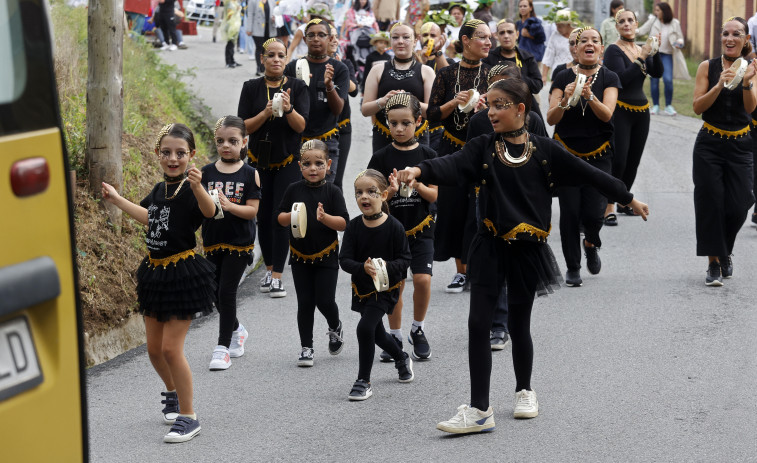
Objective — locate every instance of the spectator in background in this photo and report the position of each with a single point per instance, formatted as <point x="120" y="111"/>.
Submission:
<point x="218" y="16"/>
<point x="607" y="29"/>
<point x="483" y="11"/>
<point x="387" y="12"/>
<point x="358" y="14"/>
<point x="166" y="17"/>
<point x="457" y="11"/>
<point x="530" y="30"/>
<point x="261" y="26"/>
<point x="752" y="24"/>
<point x="232" y="22"/>
<point x="558" y="48"/>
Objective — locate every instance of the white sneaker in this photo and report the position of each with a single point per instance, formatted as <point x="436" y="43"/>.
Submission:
<point x="670" y="110"/>
<point x="306" y="357"/>
<point x="654" y="110"/>
<point x="173" y="47"/>
<point x="468" y="420"/>
<point x="526" y="405"/>
<point x="265" y="282"/>
<point x="220" y="360"/>
<point x="238" y="338"/>
<point x="164" y="47"/>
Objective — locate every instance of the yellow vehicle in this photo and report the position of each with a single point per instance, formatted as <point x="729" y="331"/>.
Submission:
<point x="42" y="401"/>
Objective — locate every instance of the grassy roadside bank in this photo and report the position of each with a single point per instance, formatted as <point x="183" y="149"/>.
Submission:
<point x="153" y="95"/>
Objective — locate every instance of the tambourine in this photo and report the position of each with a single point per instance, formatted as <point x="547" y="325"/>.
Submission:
<point x="655" y="44"/>
<point x="381" y="280"/>
<point x="429" y="47"/>
<point x="580" y="81"/>
<point x="739" y="66"/>
<point x="214" y="196"/>
<point x="299" y="220"/>
<point x="472" y="101"/>
<point x="406" y="191"/>
<point x="303" y="70"/>
<point x="277" y="105"/>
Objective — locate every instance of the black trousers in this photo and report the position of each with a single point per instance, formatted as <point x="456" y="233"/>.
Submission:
<point x="631" y="132"/>
<point x="754" y="163"/>
<point x="316" y="287"/>
<point x="723" y="174"/>
<point x="168" y="26"/>
<point x="345" y="141"/>
<point x="273" y="238"/>
<point x="229" y="52"/>
<point x="582" y="205"/>
<point x="229" y="269"/>
<point x="259" y="41"/>
<point x="371" y="333"/>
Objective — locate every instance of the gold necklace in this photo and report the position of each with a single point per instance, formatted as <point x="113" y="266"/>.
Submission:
<point x="504" y="155"/>
<point x="177" y="189"/>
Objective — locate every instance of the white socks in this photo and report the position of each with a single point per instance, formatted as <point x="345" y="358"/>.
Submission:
<point x="396" y="333"/>
<point x="416" y="325"/>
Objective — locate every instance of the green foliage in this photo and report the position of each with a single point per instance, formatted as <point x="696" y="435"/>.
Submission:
<point x="557" y="6"/>
<point x="649" y="5"/>
<point x="442" y="18"/>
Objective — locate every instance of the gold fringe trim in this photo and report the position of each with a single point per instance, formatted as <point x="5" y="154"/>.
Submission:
<point x="323" y="137"/>
<point x="434" y="129"/>
<point x="754" y="123"/>
<point x="272" y="166"/>
<point x="166" y="261"/>
<point x="385" y="130"/>
<point x="343" y="123"/>
<point x="727" y="133"/>
<point x="421" y="129"/>
<point x="228" y="247"/>
<point x="453" y="138"/>
<point x="363" y="296"/>
<point x="540" y="234"/>
<point x="592" y="154"/>
<point x="630" y="107"/>
<point x="312" y="257"/>
<point x="419" y="228"/>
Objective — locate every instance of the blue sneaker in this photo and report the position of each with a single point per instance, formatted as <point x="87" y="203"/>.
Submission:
<point x="171" y="409"/>
<point x="184" y="429"/>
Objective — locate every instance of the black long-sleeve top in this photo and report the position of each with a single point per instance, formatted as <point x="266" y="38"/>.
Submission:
<point x="444" y="90"/>
<point x="515" y="203"/>
<point x="529" y="70"/>
<point x="630" y="74"/>
<point x="387" y="241"/>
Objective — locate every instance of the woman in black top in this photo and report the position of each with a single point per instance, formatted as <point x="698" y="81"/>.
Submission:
<point x="585" y="130"/>
<point x="723" y="160"/>
<point x="273" y="149"/>
<point x="450" y="90"/>
<point x="403" y="73"/>
<point x="344" y="123"/>
<point x="632" y="64"/>
<point x="508" y="52"/>
<point x="436" y="61"/>
<point x="327" y="91"/>
<point x="516" y="171"/>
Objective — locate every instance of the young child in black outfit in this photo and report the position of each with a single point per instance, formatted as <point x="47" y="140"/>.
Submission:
<point x="375" y="234"/>
<point x="228" y="239"/>
<point x="173" y="283"/>
<point x="403" y="112"/>
<point x="314" y="256"/>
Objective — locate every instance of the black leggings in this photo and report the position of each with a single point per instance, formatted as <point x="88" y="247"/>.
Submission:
<point x="273" y="238"/>
<point x="229" y="52"/>
<point x="316" y="287"/>
<point x="345" y="141"/>
<point x="168" y="26"/>
<point x="371" y="333"/>
<point x="482" y="308"/>
<point x="229" y="269"/>
<point x="631" y="132"/>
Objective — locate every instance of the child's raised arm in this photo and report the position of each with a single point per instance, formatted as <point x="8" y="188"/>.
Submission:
<point x="207" y="206"/>
<point x="138" y="212"/>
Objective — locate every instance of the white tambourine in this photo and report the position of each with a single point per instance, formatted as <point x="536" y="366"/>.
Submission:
<point x="580" y="81"/>
<point x="739" y="66"/>
<point x="472" y="101"/>
<point x="214" y="196"/>
<point x="405" y="190"/>
<point x="299" y="223"/>
<point x="381" y="280"/>
<point x="277" y="105"/>
<point x="654" y="44"/>
<point x="303" y="70"/>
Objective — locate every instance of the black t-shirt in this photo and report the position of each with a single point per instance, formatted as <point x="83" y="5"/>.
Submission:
<point x="171" y="222"/>
<point x="412" y="212"/>
<point x="284" y="140"/>
<point x="320" y="244"/>
<point x="529" y="70"/>
<point x="372" y="58"/>
<point x="323" y="120"/>
<point x="231" y="231"/>
<point x="387" y="241"/>
<point x="480" y="124"/>
<point x="346" y="111"/>
<point x="630" y="74"/>
<point x="582" y="131"/>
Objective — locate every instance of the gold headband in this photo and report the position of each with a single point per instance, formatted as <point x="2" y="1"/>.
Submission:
<point x="732" y="18"/>
<point x="220" y="122"/>
<point x="503" y="21"/>
<point x="308" y="145"/>
<point x="399" y="99"/>
<point x="315" y="21"/>
<point x="495" y="71"/>
<point x="360" y="174"/>
<point x="584" y="29"/>
<point x="474" y="23"/>
<point x="623" y="10"/>
<point x="426" y="27"/>
<point x="270" y="42"/>
<point x="163" y="132"/>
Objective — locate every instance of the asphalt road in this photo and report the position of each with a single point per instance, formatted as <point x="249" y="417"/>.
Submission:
<point x="643" y="363"/>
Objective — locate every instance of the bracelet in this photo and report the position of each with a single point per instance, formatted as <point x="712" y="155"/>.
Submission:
<point x="378" y="103"/>
<point x="564" y="108"/>
<point x="291" y="109"/>
<point x="591" y="97"/>
<point x="641" y="65"/>
<point x="751" y="86"/>
<point x="331" y="90"/>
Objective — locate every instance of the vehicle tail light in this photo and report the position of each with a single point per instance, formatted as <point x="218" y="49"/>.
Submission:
<point x="30" y="176"/>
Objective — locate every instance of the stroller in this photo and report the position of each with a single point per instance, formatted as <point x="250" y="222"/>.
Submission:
<point x="358" y="45"/>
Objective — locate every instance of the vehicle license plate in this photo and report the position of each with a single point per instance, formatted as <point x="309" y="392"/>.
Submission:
<point x="19" y="366"/>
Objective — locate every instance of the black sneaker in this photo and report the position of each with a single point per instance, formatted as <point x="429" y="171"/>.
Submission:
<point x="573" y="278"/>
<point x="421" y="349"/>
<point x="277" y="288"/>
<point x="593" y="263"/>
<point x="726" y="266"/>
<point x="714" y="277"/>
<point x="385" y="356"/>
<point x="336" y="340"/>
<point x="405" y="368"/>
<point x="265" y="282"/>
<point x="458" y="283"/>
<point x="361" y="390"/>
<point x="184" y="429"/>
<point x="171" y="409"/>
<point x="499" y="340"/>
<point x="624" y="210"/>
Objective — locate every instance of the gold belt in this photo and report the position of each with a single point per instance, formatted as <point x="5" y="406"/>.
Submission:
<point x="363" y="296"/>
<point x="173" y="259"/>
<point x="630" y="107"/>
<point x="452" y="138"/>
<point x="540" y="234"/>
<point x="324" y="136"/>
<point x="273" y="165"/>
<point x="228" y="247"/>
<point x="596" y="153"/>
<point x="419" y="228"/>
<point x="725" y="133"/>
<point x="312" y="257"/>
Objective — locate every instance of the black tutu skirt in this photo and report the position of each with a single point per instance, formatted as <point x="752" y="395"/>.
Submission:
<point x="185" y="290"/>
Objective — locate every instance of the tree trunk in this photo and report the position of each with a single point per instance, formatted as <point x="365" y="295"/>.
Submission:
<point x="105" y="33"/>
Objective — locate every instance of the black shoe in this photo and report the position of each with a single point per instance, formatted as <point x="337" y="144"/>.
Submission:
<point x="421" y="349"/>
<point x="573" y="278"/>
<point x="611" y="220"/>
<point x="361" y="390"/>
<point x="726" y="266"/>
<point x="405" y="368"/>
<point x="385" y="356"/>
<point x="714" y="277"/>
<point x="336" y="340"/>
<point x="754" y="218"/>
<point x="499" y="340"/>
<point x="624" y="210"/>
<point x="214" y="39"/>
<point x="593" y="263"/>
<point x="237" y="65"/>
<point x="230" y="65"/>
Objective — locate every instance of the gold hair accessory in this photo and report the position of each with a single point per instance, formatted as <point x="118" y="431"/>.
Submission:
<point x="315" y="21"/>
<point x="576" y="30"/>
<point x="474" y="23"/>
<point x="360" y="174"/>
<point x="269" y="42"/>
<point x="219" y="124"/>
<point x="729" y="20"/>
<point x="309" y="145"/>
<point x="163" y="132"/>
<point x="495" y="71"/>
<point x="584" y="29"/>
<point x="426" y="27"/>
<point x="501" y="21"/>
<point x="399" y="99"/>
<point x="619" y="12"/>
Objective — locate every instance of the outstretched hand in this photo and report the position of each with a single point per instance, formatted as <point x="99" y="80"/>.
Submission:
<point x="639" y="208"/>
<point x="194" y="176"/>
<point x="109" y="193"/>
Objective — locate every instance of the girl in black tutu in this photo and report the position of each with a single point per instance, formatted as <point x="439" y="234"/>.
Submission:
<point x="517" y="172"/>
<point x="173" y="284"/>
